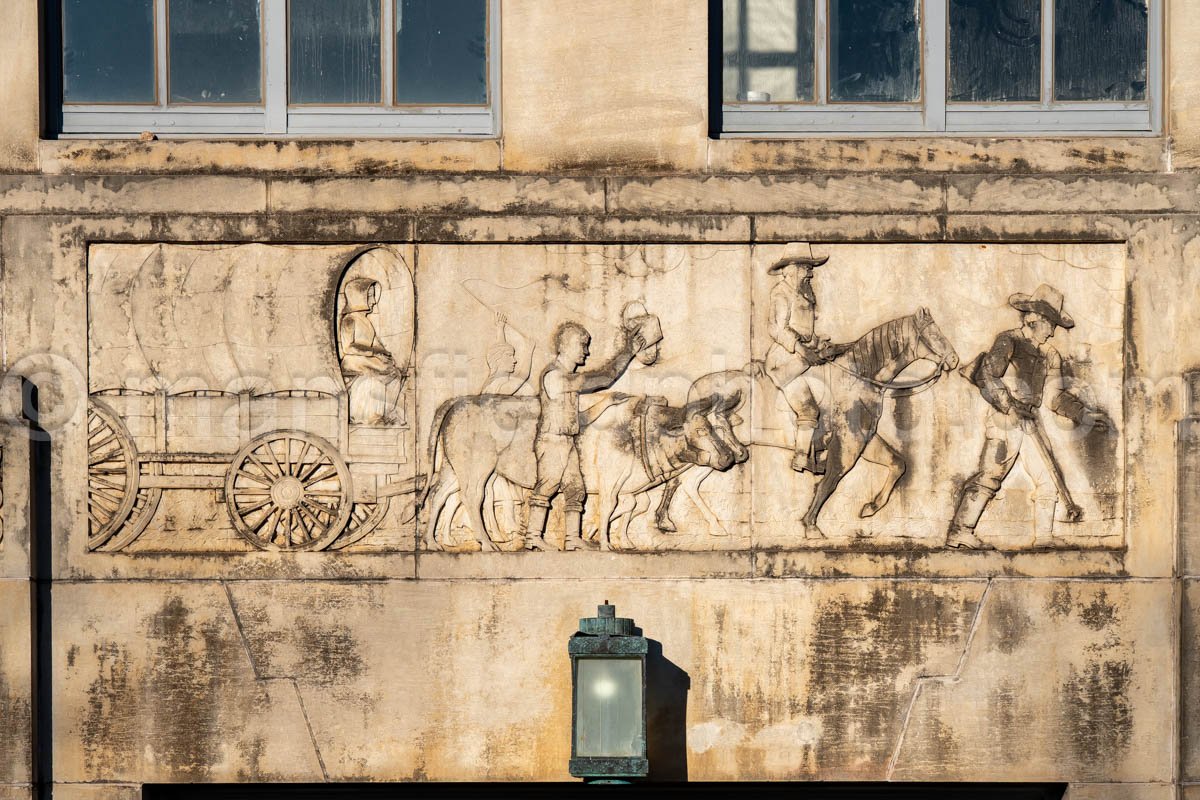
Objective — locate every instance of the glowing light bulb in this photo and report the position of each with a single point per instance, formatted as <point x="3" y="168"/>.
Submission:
<point x="604" y="688"/>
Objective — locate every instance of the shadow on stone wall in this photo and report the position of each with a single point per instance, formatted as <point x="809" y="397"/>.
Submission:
<point x="667" y="688"/>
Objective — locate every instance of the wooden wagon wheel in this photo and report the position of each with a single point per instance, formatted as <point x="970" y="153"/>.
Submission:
<point x="364" y="518"/>
<point x="112" y="473"/>
<point x="288" y="490"/>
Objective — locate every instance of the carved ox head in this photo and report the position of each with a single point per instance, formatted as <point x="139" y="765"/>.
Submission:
<point x="709" y="433"/>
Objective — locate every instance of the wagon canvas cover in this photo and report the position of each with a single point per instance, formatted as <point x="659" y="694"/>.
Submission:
<point x="217" y="318"/>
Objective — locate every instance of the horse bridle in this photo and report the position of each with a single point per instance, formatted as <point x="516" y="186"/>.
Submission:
<point x="899" y="389"/>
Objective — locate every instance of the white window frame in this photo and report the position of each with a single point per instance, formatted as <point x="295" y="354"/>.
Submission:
<point x="275" y="118"/>
<point x="934" y="116"/>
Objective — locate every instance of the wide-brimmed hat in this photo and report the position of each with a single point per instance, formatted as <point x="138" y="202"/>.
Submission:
<point x="800" y="254"/>
<point x="1045" y="301"/>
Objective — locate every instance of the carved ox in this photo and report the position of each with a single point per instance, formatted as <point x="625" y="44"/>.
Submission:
<point x="628" y="450"/>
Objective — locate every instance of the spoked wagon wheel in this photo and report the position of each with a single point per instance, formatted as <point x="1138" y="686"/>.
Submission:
<point x="113" y="474"/>
<point x="364" y="518"/>
<point x="288" y="490"/>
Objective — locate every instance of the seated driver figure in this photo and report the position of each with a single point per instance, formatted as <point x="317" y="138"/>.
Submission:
<point x="373" y="379"/>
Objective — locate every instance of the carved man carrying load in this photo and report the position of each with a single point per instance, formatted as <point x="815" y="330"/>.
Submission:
<point x="1012" y="376"/>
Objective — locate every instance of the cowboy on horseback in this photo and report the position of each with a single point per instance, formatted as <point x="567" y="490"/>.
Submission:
<point x="795" y="347"/>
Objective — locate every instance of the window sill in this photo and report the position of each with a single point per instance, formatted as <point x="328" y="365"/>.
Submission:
<point x="262" y="156"/>
<point x="937" y="153"/>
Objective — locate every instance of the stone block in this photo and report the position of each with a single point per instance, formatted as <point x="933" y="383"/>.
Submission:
<point x="1182" y="88"/>
<point x="16" y="685"/>
<point x="19" y="87"/>
<point x="847" y="227"/>
<point x="96" y="791"/>
<point x="644" y="109"/>
<point x="521" y="195"/>
<point x="1189" y="735"/>
<point x="510" y="228"/>
<point x="131" y="195"/>
<point x="1123" y="791"/>
<point x="1061" y="680"/>
<point x="771" y="194"/>
<point x="1036" y="227"/>
<point x="1144" y="193"/>
<point x="936" y="154"/>
<point x="287" y="157"/>
<point x="167" y="691"/>
<point x="781" y="680"/>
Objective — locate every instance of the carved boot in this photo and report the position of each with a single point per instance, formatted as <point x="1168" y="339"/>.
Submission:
<point x="803" y="460"/>
<point x="1043" y="523"/>
<point x="971" y="503"/>
<point x="573" y="526"/>
<point x="965" y="539"/>
<point x="535" y="527"/>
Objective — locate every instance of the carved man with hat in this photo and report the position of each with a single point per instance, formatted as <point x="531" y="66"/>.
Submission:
<point x="795" y="345"/>
<point x="1012" y="377"/>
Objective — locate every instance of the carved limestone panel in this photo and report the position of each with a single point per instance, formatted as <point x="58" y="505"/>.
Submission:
<point x="470" y="398"/>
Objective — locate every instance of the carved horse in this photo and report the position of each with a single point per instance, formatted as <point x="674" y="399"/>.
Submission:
<point x="850" y="414"/>
<point x="849" y="424"/>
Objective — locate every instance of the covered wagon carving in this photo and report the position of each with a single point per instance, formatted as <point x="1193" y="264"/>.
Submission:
<point x="278" y="384"/>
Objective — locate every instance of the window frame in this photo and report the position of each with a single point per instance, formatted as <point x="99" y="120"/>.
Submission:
<point x="275" y="116"/>
<point x="934" y="114"/>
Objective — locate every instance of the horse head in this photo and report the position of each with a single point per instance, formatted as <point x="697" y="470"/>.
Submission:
<point x="706" y="446"/>
<point x="934" y="342"/>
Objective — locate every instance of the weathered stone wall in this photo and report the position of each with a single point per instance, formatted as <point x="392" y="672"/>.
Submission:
<point x="407" y="664"/>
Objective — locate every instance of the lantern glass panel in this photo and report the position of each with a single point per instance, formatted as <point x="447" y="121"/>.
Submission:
<point x="608" y="707"/>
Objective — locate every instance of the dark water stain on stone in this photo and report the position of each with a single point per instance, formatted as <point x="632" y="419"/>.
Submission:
<point x="110" y="719"/>
<point x="72" y="654"/>
<point x="1098" y="614"/>
<point x="857" y="650"/>
<point x="1097" y="713"/>
<point x="1009" y="622"/>
<point x="1059" y="602"/>
<point x="1005" y="717"/>
<point x="192" y="666"/>
<point x="14" y="731"/>
<point x="329" y="653"/>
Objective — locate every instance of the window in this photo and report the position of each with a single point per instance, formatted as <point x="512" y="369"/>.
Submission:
<point x="280" y="67"/>
<point x="796" y="67"/>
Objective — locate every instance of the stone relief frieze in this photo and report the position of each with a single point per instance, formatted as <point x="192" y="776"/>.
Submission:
<point x="468" y="398"/>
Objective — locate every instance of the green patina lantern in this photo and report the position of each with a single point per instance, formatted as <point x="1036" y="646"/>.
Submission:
<point x="608" y="679"/>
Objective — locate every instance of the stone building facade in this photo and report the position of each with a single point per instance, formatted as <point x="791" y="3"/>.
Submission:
<point x="193" y="311"/>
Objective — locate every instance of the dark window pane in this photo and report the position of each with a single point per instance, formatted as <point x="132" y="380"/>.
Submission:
<point x="874" y="50"/>
<point x="215" y="51"/>
<point x="1100" y="49"/>
<point x="441" y="51"/>
<point x="768" y="47"/>
<point x="334" y="54"/>
<point x="108" y="51"/>
<point x="995" y="50"/>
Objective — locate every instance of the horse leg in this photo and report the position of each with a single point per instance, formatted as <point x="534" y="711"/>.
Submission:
<point x="840" y="461"/>
<point x="662" y="516"/>
<point x="880" y="451"/>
